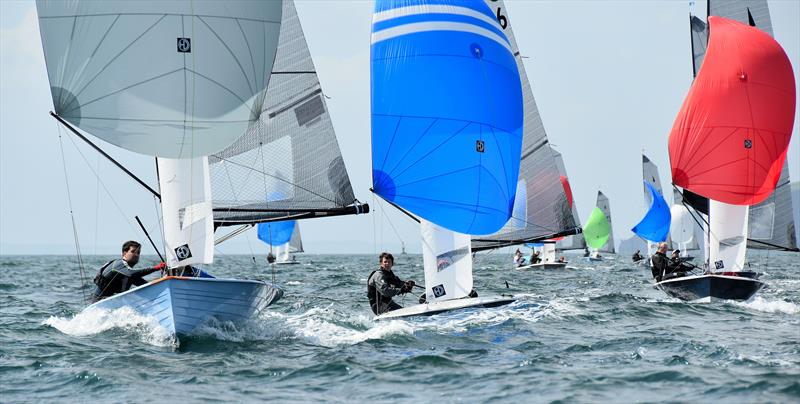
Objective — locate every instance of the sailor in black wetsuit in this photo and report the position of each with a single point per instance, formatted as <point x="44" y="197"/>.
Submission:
<point x="637" y="256"/>
<point x="383" y="284"/>
<point x="659" y="263"/>
<point x="118" y="275"/>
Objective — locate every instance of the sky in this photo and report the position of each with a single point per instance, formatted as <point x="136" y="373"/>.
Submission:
<point x="608" y="78"/>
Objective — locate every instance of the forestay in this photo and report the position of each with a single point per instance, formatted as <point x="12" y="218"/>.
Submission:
<point x="289" y="164"/>
<point x="446" y="113"/>
<point x="173" y="79"/>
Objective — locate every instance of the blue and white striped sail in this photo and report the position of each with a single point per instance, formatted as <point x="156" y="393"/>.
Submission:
<point x="446" y="113"/>
<point x="655" y="224"/>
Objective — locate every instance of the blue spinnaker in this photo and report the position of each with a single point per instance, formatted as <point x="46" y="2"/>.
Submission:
<point x="446" y="113"/>
<point x="655" y="224"/>
<point x="276" y="233"/>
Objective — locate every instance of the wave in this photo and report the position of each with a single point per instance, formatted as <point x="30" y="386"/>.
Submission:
<point x="769" y="306"/>
<point x="93" y="321"/>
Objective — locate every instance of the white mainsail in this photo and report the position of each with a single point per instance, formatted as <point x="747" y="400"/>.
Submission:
<point x="447" y="260"/>
<point x="727" y="243"/>
<point x="186" y="207"/>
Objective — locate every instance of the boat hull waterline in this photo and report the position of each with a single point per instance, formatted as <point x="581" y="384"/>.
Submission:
<point x="181" y="304"/>
<point x="428" y="309"/>
<point x="545" y="265"/>
<point x="711" y="287"/>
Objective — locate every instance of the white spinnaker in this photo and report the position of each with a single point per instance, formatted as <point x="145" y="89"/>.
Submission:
<point x="728" y="242"/>
<point x="447" y="259"/>
<point x="169" y="78"/>
<point x="682" y="227"/>
<point x="186" y="207"/>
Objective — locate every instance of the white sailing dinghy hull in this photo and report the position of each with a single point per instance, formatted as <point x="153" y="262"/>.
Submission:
<point x="182" y="304"/>
<point x="428" y="309"/>
<point x="545" y="265"/>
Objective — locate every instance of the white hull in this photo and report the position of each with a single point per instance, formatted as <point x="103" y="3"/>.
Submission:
<point x="292" y="262"/>
<point x="428" y="309"/>
<point x="545" y="265"/>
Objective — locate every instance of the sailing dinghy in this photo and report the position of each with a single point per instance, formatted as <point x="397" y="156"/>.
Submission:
<point x="547" y="255"/>
<point x="166" y="80"/>
<point x="728" y="144"/>
<point x="597" y="232"/>
<point x="284" y="238"/>
<point x="446" y="134"/>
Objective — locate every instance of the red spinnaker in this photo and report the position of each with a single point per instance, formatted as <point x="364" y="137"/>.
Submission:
<point x="730" y="137"/>
<point x="567" y="189"/>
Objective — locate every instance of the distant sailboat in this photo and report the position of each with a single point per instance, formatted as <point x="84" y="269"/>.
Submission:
<point x="167" y="80"/>
<point x="597" y="232"/>
<point x="728" y="144"/>
<point x="283" y="239"/>
<point x="654" y="226"/>
<point x="446" y="134"/>
<point x="651" y="176"/>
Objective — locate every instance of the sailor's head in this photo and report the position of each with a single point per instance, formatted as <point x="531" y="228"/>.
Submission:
<point x="676" y="252"/>
<point x="662" y="247"/>
<point x="130" y="252"/>
<point x="386" y="261"/>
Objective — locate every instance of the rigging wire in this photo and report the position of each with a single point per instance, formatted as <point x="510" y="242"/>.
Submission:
<point x="86" y="161"/>
<point x="72" y="217"/>
<point x="388" y="219"/>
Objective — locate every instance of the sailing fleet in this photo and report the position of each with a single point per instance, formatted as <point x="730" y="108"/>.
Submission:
<point x="228" y="102"/>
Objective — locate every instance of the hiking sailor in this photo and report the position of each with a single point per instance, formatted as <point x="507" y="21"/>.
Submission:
<point x="660" y="265"/>
<point x="383" y="284"/>
<point x="118" y="275"/>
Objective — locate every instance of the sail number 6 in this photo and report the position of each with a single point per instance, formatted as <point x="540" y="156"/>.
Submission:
<point x="503" y="20"/>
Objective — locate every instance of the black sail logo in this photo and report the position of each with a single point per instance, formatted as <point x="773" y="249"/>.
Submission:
<point x="184" y="45"/>
<point x="183" y="252"/>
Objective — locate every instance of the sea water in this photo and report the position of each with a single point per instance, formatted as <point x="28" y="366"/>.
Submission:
<point x="589" y="333"/>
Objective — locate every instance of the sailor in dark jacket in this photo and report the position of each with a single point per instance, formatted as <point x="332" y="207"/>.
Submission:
<point x="383" y="284"/>
<point x="118" y="275"/>
<point x="659" y="263"/>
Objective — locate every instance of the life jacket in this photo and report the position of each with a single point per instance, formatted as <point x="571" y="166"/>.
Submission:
<point x="109" y="284"/>
<point x="99" y="279"/>
<point x="372" y="291"/>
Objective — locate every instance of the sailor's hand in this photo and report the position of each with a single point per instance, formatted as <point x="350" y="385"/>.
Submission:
<point x="160" y="266"/>
<point x="411" y="284"/>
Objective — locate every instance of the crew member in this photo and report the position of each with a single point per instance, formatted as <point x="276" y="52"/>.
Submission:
<point x="383" y="284"/>
<point x="118" y="275"/>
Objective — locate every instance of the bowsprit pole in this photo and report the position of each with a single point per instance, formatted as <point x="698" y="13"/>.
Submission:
<point x="151" y="240"/>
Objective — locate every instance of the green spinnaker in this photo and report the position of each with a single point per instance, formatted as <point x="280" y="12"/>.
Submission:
<point x="597" y="229"/>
